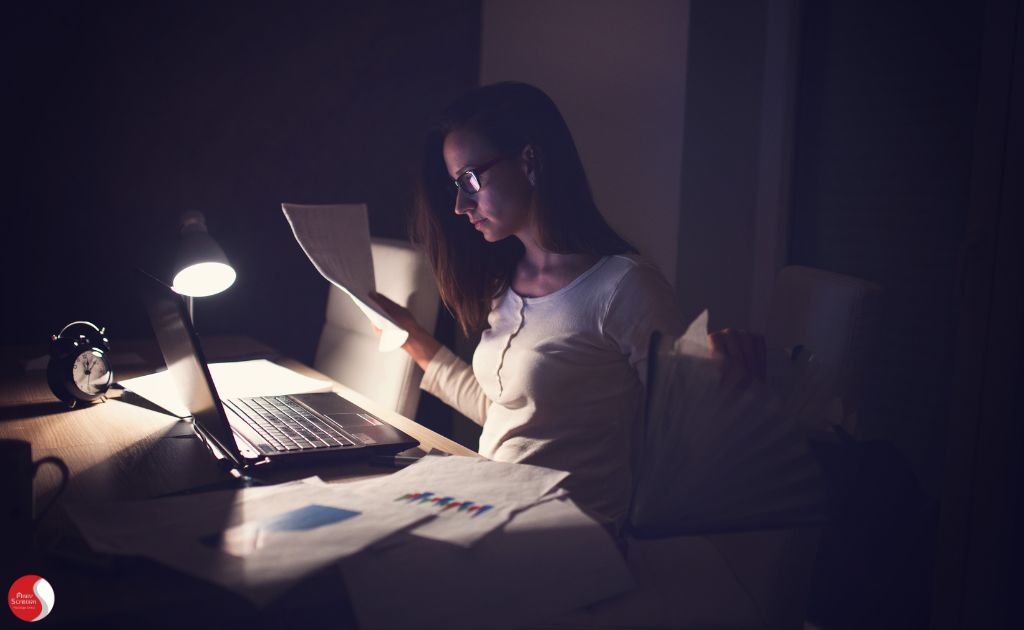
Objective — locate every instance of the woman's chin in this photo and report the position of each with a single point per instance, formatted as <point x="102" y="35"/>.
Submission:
<point x="490" y="235"/>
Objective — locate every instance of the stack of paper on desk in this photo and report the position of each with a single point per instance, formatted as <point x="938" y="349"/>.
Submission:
<point x="255" y="541"/>
<point x="529" y="555"/>
<point x="458" y="511"/>
<point x="238" y="379"/>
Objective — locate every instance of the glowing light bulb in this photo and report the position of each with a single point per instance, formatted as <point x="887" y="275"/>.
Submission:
<point x="203" y="279"/>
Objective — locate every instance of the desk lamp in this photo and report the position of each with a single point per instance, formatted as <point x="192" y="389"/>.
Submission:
<point x="201" y="268"/>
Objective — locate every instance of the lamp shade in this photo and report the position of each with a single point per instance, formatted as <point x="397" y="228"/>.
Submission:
<point x="201" y="268"/>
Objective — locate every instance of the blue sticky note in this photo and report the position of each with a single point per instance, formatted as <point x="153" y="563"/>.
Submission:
<point x="309" y="517"/>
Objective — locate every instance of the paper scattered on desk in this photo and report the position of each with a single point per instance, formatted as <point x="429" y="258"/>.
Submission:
<point x="336" y="238"/>
<point x="549" y="559"/>
<point x="242" y="540"/>
<point x="238" y="379"/>
<point x="257" y="542"/>
<point x="469" y="497"/>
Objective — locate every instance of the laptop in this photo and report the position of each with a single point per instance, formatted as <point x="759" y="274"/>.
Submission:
<point x="298" y="428"/>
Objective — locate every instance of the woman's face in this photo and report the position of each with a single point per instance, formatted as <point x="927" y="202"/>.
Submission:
<point x="501" y="208"/>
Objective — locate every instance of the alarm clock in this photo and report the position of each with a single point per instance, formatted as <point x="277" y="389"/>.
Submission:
<point x="79" y="370"/>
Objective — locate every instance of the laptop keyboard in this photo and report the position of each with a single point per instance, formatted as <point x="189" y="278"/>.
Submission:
<point x="287" y="425"/>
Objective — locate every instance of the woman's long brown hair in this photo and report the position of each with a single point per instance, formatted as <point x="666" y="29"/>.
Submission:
<point x="471" y="272"/>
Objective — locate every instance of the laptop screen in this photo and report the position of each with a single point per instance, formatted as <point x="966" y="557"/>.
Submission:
<point x="185" y="362"/>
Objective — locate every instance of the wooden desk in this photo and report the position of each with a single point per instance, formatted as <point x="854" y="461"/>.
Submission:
<point x="123" y="450"/>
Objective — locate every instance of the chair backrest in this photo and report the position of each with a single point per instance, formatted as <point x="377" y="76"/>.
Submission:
<point x="833" y="315"/>
<point x="717" y="454"/>
<point x="347" y="350"/>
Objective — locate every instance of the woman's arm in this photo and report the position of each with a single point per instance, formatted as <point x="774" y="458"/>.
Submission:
<point x="740" y="349"/>
<point x="644" y="302"/>
<point x="452" y="380"/>
<point x="444" y="375"/>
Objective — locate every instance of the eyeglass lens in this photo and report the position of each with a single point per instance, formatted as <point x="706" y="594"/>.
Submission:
<point x="468" y="182"/>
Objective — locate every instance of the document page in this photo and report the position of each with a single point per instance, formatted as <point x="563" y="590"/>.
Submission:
<point x="258" y="542"/>
<point x="469" y="497"/>
<point x="336" y="238"/>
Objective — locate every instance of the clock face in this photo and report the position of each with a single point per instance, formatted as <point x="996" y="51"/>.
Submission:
<point x="91" y="372"/>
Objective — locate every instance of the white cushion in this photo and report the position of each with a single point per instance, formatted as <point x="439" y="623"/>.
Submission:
<point x="347" y="350"/>
<point x="833" y="315"/>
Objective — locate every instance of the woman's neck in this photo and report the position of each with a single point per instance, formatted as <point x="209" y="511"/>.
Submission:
<point x="541" y="272"/>
<point x="538" y="259"/>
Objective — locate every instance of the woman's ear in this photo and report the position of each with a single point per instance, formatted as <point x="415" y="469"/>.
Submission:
<point x="531" y="163"/>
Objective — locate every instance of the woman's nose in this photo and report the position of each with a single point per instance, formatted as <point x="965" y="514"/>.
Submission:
<point x="463" y="202"/>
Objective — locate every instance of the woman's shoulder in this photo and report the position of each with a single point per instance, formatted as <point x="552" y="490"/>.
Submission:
<point x="641" y="301"/>
<point x="633" y="269"/>
<point x="640" y="290"/>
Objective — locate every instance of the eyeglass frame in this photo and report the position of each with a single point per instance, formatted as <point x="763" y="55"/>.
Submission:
<point x="475" y="173"/>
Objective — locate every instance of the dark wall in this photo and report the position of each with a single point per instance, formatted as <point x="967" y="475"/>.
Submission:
<point x="892" y="167"/>
<point x="725" y="70"/>
<point x="125" y="115"/>
<point x="885" y="120"/>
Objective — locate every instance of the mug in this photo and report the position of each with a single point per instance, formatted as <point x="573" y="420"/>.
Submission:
<point x="17" y="472"/>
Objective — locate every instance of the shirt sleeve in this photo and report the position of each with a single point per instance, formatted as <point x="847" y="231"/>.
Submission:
<point x="643" y="302"/>
<point x="452" y="380"/>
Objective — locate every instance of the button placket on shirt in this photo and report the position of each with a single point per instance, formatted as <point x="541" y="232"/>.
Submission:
<point x="521" y="314"/>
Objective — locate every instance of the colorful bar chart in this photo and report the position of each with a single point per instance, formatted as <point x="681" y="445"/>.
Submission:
<point x="445" y="504"/>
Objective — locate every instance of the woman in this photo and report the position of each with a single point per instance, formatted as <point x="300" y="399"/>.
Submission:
<point x="566" y="308"/>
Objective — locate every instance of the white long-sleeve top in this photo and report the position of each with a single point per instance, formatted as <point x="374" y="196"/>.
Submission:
<point x="557" y="380"/>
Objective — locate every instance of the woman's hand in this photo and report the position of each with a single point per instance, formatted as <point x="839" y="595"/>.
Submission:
<point x="420" y="345"/>
<point x="740" y="349"/>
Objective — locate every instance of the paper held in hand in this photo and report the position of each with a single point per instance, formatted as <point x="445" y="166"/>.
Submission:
<point x="336" y="238"/>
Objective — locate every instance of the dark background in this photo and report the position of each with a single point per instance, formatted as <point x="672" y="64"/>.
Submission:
<point x="884" y="131"/>
<point x="124" y="115"/>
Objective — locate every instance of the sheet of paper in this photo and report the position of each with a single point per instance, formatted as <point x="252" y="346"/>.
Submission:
<point x="257" y="542"/>
<point x="336" y="238"/>
<point x="694" y="341"/>
<point x="237" y="379"/>
<point x="470" y="497"/>
<point x="548" y="560"/>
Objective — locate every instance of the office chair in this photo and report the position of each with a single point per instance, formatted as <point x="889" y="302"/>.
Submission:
<point x="697" y="563"/>
<point x="347" y="350"/>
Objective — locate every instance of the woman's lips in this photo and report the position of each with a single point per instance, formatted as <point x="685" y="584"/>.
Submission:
<point x="477" y="223"/>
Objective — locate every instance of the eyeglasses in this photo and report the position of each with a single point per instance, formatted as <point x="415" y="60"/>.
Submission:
<point x="469" y="181"/>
